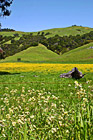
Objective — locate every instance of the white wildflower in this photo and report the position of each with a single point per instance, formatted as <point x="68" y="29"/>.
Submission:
<point x="53" y="130"/>
<point x="8" y="116"/>
<point x="85" y="100"/>
<point x="76" y="83"/>
<point x="65" y="113"/>
<point x="19" y="121"/>
<point x="60" y="123"/>
<point x="13" y="123"/>
<point x="67" y="131"/>
<point x="32" y="116"/>
<point x="53" y="105"/>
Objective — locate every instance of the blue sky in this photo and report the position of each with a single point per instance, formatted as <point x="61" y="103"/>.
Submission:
<point x="37" y="15"/>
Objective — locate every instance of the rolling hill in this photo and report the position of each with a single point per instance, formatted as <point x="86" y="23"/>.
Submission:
<point x="72" y="30"/>
<point x="83" y="54"/>
<point x="33" y="54"/>
<point x="41" y="54"/>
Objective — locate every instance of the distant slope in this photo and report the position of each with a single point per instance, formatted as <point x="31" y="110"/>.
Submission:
<point x="80" y="54"/>
<point x="73" y="30"/>
<point x="11" y="33"/>
<point x="33" y="54"/>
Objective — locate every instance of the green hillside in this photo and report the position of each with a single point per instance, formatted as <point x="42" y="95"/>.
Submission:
<point x="80" y="54"/>
<point x="22" y="46"/>
<point x="11" y="33"/>
<point x="83" y="54"/>
<point x="73" y="30"/>
<point x="33" y="54"/>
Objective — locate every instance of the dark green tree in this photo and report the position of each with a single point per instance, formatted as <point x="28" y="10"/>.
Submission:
<point x="0" y="26"/>
<point x="4" y="4"/>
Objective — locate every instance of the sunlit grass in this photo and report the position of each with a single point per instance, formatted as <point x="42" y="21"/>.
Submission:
<point x="37" y="114"/>
<point x="36" y="104"/>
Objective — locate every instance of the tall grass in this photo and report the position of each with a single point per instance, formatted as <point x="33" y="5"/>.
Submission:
<point x="41" y="106"/>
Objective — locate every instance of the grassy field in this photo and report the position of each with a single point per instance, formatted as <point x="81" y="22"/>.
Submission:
<point x="37" y="104"/>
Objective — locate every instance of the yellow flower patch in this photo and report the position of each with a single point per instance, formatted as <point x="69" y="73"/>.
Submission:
<point x="26" y="67"/>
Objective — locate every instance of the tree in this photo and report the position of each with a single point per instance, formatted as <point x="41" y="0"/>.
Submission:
<point x="38" y="33"/>
<point x="0" y="26"/>
<point x="42" y="33"/>
<point x="4" y="4"/>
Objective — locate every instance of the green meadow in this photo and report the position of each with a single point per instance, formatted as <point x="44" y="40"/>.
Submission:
<point x="41" y="105"/>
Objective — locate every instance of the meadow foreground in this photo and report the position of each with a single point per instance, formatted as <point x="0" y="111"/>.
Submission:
<point x="37" y="104"/>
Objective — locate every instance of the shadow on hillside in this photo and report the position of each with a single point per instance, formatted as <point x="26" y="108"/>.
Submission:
<point x="7" y="73"/>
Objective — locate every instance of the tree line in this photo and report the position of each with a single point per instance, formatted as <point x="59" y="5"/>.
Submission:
<point x="56" y="44"/>
<point x="63" y="44"/>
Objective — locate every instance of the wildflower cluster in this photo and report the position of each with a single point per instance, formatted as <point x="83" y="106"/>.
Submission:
<point x="37" y="111"/>
<point x="83" y="113"/>
<point x="37" y="114"/>
<point x="25" y="67"/>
